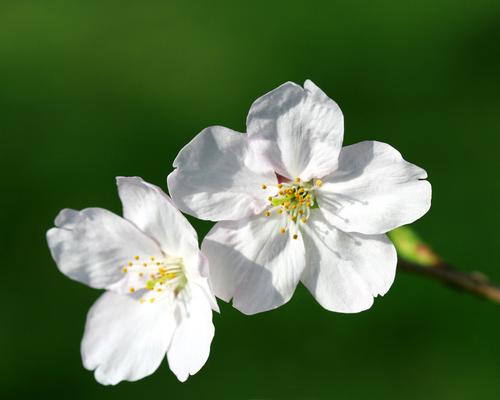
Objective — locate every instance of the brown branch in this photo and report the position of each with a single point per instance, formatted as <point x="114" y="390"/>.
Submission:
<point x="471" y="282"/>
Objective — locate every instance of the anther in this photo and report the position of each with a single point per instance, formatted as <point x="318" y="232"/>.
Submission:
<point x="264" y="187"/>
<point x="319" y="183"/>
<point x="297" y="179"/>
<point x="125" y="270"/>
<point x="152" y="300"/>
<point x="282" y="230"/>
<point x="280" y="185"/>
<point x="136" y="257"/>
<point x="270" y="198"/>
<point x="295" y="236"/>
<point x="132" y="290"/>
<point x="267" y="213"/>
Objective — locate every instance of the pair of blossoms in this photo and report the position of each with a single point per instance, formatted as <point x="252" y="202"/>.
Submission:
<point x="292" y="204"/>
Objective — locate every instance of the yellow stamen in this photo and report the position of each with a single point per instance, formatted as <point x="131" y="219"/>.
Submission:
<point x="297" y="179"/>
<point x="136" y="257"/>
<point x="267" y="213"/>
<point x="319" y="183"/>
<point x="125" y="270"/>
<point x="264" y="187"/>
<point x="282" y="230"/>
<point x="295" y="237"/>
<point x="280" y="185"/>
<point x="132" y="290"/>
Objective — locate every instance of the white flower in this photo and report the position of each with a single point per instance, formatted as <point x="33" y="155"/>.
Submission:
<point x="297" y="206"/>
<point x="158" y="301"/>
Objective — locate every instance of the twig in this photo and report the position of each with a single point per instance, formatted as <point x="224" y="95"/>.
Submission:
<point x="474" y="282"/>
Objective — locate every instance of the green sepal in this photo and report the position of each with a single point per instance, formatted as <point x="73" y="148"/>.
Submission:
<point x="412" y="248"/>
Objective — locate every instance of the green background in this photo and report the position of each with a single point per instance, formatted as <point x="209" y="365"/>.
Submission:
<point x="94" y="89"/>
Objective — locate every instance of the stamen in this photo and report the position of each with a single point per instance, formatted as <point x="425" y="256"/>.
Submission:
<point x="163" y="276"/>
<point x="264" y="187"/>
<point x="294" y="201"/>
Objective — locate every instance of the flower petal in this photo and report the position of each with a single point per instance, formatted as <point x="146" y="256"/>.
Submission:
<point x="126" y="340"/>
<point x="345" y="271"/>
<point x="92" y="246"/>
<point x="149" y="208"/>
<point x="190" y="345"/>
<point x="374" y="190"/>
<point x="217" y="178"/>
<point x="299" y="130"/>
<point x="252" y="263"/>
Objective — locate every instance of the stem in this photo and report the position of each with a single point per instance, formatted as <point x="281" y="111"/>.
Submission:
<point x="472" y="282"/>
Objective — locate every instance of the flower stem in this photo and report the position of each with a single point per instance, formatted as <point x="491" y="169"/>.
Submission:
<point x="472" y="282"/>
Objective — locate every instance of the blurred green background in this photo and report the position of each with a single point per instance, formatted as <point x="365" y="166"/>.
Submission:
<point x="94" y="89"/>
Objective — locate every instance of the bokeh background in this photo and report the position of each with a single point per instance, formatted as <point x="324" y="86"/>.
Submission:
<point x="94" y="89"/>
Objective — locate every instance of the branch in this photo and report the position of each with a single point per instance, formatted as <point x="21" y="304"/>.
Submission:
<point x="474" y="282"/>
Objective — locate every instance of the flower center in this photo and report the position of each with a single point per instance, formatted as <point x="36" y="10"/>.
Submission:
<point x="294" y="202"/>
<point x="155" y="277"/>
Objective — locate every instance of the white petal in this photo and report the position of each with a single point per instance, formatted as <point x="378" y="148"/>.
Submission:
<point x="252" y="263"/>
<point x="299" y="130"/>
<point x="374" y="190"/>
<point x="217" y="178"/>
<point x="345" y="271"/>
<point x="126" y="340"/>
<point x="190" y="345"/>
<point x="93" y="245"/>
<point x="203" y="282"/>
<point x="149" y="208"/>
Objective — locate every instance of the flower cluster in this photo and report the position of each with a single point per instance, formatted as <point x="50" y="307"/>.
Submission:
<point x="291" y="205"/>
